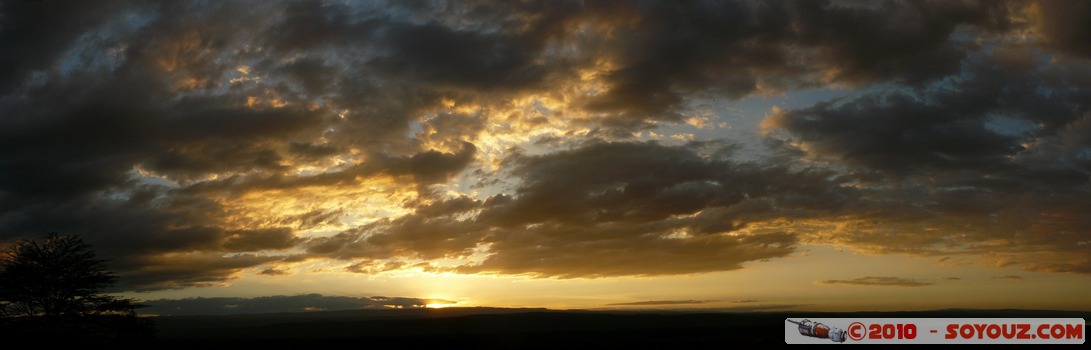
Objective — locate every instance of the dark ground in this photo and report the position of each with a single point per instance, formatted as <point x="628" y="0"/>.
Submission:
<point x="490" y="328"/>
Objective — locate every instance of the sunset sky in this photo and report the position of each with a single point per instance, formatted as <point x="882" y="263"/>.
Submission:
<point x="736" y="155"/>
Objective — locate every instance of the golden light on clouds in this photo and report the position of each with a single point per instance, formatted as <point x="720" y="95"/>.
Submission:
<point x="321" y="210"/>
<point x="575" y="154"/>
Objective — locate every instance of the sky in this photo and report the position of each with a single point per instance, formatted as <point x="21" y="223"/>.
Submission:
<point x="733" y="155"/>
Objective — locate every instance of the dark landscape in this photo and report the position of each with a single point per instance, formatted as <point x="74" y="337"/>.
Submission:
<point x="500" y="328"/>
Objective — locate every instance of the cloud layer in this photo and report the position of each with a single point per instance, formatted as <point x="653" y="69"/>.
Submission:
<point x="191" y="142"/>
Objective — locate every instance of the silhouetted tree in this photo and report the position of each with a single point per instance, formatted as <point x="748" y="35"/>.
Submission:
<point x="54" y="288"/>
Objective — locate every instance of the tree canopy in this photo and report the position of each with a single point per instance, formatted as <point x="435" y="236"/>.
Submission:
<point x="56" y="286"/>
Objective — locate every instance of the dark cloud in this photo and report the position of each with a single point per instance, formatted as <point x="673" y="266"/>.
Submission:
<point x="309" y="25"/>
<point x="42" y="32"/>
<point x="263" y="239"/>
<point x="669" y="51"/>
<point x="603" y="210"/>
<point x="993" y="152"/>
<point x="911" y="43"/>
<point x="181" y="270"/>
<point x="315" y="76"/>
<point x="1006" y="277"/>
<point x="898" y="133"/>
<point x="433" y="166"/>
<point x="423" y="169"/>
<point x="647" y="182"/>
<point x="879" y="281"/>
<point x="983" y="121"/>
<point x="1065" y="25"/>
<point x="157" y="243"/>
<point x="309" y="150"/>
<point x="186" y="163"/>
<point x="661" y="53"/>
<point x="469" y="59"/>
<point x="38" y="156"/>
<point x="607" y="250"/>
<point x="615" y="182"/>
<point x="278" y="303"/>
